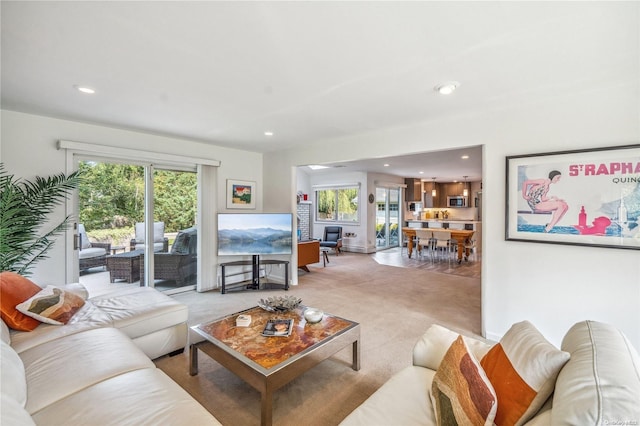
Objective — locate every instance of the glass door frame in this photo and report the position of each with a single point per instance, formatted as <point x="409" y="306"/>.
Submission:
<point x="149" y="169"/>
<point x="387" y="217"/>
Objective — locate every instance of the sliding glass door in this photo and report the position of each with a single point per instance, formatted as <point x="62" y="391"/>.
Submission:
<point x="387" y="217"/>
<point x="137" y="224"/>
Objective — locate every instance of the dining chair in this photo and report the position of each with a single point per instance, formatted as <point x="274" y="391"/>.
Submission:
<point x="424" y="239"/>
<point x="441" y="244"/>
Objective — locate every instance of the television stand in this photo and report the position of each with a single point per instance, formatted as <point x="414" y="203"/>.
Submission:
<point x="255" y="283"/>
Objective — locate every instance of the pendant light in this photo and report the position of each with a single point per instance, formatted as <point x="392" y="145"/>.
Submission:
<point x="433" y="188"/>
<point x="465" y="191"/>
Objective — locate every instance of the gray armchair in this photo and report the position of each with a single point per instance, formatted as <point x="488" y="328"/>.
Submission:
<point x="332" y="238"/>
<point x="180" y="263"/>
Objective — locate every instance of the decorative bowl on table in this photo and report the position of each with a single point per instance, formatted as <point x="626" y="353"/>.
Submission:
<point x="279" y="303"/>
<point x="313" y="315"/>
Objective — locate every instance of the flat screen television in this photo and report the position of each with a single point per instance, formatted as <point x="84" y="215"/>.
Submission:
<point x="254" y="233"/>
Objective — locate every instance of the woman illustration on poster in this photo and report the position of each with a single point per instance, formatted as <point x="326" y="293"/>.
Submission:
<point x="534" y="191"/>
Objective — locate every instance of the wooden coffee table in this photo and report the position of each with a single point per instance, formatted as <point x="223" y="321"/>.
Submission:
<point x="268" y="363"/>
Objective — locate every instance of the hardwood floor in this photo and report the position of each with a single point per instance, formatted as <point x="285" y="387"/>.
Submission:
<point x="398" y="257"/>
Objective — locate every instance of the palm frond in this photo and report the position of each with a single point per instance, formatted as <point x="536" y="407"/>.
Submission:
<point x="24" y="208"/>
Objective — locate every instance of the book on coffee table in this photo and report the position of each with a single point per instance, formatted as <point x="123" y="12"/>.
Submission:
<point x="278" y="327"/>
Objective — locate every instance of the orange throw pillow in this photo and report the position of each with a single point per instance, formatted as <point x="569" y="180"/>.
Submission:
<point x="522" y="369"/>
<point x="15" y="289"/>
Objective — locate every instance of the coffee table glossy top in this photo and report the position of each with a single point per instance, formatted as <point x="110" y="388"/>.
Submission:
<point x="267" y="354"/>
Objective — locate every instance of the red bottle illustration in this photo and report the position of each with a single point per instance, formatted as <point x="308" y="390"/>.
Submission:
<point x="582" y="217"/>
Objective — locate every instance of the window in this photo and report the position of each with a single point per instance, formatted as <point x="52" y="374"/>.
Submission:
<point x="337" y="204"/>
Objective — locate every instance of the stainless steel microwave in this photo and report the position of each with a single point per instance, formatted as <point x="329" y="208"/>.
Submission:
<point x="457" y="201"/>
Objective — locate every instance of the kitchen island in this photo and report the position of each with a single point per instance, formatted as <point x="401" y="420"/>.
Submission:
<point x="461" y="235"/>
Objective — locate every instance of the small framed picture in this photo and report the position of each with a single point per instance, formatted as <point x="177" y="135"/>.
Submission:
<point x="588" y="197"/>
<point x="241" y="194"/>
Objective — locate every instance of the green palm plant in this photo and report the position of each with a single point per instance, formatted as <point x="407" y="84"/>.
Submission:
<point x="24" y="207"/>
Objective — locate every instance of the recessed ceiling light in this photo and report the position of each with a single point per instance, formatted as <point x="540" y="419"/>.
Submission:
<point x="85" y="89"/>
<point x="465" y="157"/>
<point x="447" y="88"/>
<point x="420" y="173"/>
<point x="268" y="133"/>
<point x="386" y="165"/>
<point x="317" y="167"/>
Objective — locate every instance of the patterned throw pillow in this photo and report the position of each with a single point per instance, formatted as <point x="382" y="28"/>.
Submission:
<point x="461" y="394"/>
<point x="14" y="288"/>
<point x="523" y="369"/>
<point x="52" y="305"/>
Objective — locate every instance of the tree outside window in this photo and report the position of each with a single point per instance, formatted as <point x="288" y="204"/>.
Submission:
<point x="337" y="205"/>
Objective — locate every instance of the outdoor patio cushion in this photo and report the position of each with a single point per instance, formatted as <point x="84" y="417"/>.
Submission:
<point x="158" y="232"/>
<point x="91" y="252"/>
<point x="185" y="242"/>
<point x="160" y="243"/>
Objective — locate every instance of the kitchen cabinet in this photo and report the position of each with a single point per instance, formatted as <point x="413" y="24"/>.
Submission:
<point x="413" y="192"/>
<point x="445" y="190"/>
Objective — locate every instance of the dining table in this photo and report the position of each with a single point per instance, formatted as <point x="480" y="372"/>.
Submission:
<point x="462" y="236"/>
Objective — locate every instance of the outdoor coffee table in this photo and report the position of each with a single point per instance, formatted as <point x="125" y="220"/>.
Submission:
<point x="268" y="363"/>
<point x="124" y="266"/>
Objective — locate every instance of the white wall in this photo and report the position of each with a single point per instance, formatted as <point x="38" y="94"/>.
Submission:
<point x="28" y="148"/>
<point x="552" y="286"/>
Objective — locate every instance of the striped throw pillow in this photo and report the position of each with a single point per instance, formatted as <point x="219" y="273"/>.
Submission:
<point x="461" y="393"/>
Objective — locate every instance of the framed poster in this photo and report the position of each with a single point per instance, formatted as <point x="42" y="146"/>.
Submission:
<point x="583" y="197"/>
<point x="241" y="194"/>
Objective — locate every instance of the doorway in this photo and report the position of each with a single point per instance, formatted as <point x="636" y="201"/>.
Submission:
<point x="387" y="218"/>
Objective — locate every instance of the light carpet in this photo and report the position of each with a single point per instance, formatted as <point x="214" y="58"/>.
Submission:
<point x="394" y="307"/>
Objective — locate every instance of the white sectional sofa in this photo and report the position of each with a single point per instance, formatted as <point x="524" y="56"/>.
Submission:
<point x="599" y="385"/>
<point x="97" y="369"/>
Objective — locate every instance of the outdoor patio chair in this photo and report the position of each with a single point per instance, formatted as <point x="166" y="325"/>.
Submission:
<point x="160" y="242"/>
<point x="332" y="238"/>
<point x="180" y="263"/>
<point x="91" y="255"/>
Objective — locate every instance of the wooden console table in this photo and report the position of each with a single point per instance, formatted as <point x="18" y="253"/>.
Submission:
<point x="308" y="253"/>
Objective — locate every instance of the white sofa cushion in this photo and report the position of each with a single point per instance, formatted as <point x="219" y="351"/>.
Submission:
<point x="87" y="318"/>
<point x="139" y="311"/>
<point x="434" y="343"/>
<point x="601" y="383"/>
<point x="13" y="414"/>
<point x="153" y="398"/>
<point x="402" y="400"/>
<point x="13" y="381"/>
<point x="83" y="359"/>
<point x="5" y="334"/>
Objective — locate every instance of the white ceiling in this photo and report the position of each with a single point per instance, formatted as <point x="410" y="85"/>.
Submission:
<point x="226" y="72"/>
